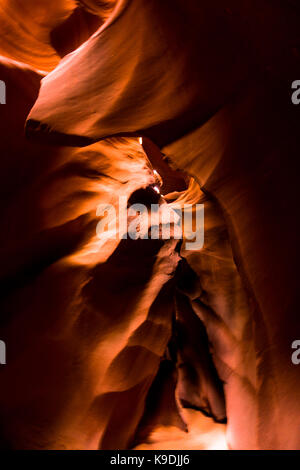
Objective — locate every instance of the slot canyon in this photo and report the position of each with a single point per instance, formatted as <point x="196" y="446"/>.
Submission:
<point x="140" y="343"/>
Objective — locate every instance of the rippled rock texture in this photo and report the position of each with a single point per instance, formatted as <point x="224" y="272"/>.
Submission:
<point x="121" y="344"/>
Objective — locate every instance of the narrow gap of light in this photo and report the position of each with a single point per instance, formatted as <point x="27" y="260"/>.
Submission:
<point x="156" y="189"/>
<point x="141" y="140"/>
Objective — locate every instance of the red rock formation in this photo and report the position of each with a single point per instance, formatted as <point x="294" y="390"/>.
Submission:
<point x="86" y="322"/>
<point x="26" y="27"/>
<point x="114" y="344"/>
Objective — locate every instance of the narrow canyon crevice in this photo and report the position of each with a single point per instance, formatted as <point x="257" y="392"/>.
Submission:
<point x="120" y="342"/>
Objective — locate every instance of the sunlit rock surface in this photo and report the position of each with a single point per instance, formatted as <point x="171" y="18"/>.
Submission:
<point x="26" y="27"/>
<point x="142" y="343"/>
<point x="87" y="322"/>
